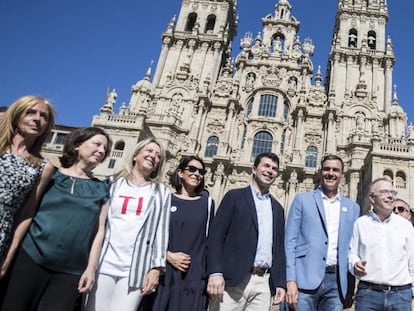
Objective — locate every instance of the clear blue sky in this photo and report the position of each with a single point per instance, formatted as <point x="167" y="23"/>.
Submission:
<point x="70" y="50"/>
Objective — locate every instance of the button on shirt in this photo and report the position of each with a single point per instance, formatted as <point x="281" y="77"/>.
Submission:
<point x="332" y="207"/>
<point x="388" y="248"/>
<point x="264" y="213"/>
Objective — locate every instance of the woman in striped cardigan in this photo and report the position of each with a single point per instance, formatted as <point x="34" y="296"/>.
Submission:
<point x="135" y="247"/>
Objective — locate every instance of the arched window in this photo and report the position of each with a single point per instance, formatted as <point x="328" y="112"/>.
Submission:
<point x="311" y="156"/>
<point x="353" y="38"/>
<point x="262" y="142"/>
<point x="400" y="180"/>
<point x="244" y="136"/>
<point x="120" y="145"/>
<point x="191" y="20"/>
<point x="211" y="21"/>
<point x="212" y="146"/>
<point x="389" y="174"/>
<point x="285" y="111"/>
<point x="118" y="150"/>
<point x="283" y="142"/>
<point x="268" y="105"/>
<point x="249" y="107"/>
<point x="372" y="40"/>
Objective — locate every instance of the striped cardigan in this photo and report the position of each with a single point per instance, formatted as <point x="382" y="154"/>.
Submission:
<point x="150" y="250"/>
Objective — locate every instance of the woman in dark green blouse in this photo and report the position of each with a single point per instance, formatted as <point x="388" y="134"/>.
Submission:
<point x="55" y="261"/>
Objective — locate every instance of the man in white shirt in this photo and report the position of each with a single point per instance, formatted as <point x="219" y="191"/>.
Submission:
<point x="381" y="254"/>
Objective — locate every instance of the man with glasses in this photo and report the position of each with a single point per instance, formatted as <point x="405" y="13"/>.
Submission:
<point x="381" y="254"/>
<point x="402" y="208"/>
<point x="318" y="231"/>
<point x="245" y="255"/>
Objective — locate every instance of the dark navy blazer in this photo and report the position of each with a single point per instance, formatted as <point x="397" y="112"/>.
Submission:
<point x="233" y="237"/>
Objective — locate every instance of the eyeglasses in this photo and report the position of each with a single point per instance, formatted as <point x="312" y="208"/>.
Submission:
<point x="193" y="169"/>
<point x="401" y="209"/>
<point x="388" y="192"/>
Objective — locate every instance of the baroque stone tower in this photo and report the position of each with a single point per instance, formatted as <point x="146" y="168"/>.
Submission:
<point x="366" y="126"/>
<point x="269" y="97"/>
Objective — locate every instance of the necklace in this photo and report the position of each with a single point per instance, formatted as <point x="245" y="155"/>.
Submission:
<point x="143" y="184"/>
<point x="72" y="188"/>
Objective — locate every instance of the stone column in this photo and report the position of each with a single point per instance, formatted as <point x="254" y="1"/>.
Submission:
<point x="293" y="184"/>
<point x="298" y="139"/>
<point x="388" y="84"/>
<point x="161" y="61"/>
<point x="331" y="140"/>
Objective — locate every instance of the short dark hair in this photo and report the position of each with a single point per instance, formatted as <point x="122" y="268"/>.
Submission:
<point x="272" y="156"/>
<point x="176" y="181"/>
<point x="329" y="157"/>
<point x="75" y="139"/>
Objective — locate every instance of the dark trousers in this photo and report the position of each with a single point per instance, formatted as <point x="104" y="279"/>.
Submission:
<point x="33" y="288"/>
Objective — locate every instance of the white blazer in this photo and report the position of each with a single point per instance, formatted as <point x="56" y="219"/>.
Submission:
<point x="150" y="250"/>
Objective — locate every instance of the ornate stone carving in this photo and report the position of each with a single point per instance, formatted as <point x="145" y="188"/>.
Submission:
<point x="271" y="77"/>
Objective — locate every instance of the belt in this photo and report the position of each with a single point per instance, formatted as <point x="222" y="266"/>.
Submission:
<point x="382" y="287"/>
<point x="259" y="271"/>
<point x="331" y="269"/>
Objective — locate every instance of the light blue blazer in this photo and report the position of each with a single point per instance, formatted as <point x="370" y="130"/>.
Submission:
<point x="306" y="241"/>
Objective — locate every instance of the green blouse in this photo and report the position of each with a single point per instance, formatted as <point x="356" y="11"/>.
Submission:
<point x="64" y="226"/>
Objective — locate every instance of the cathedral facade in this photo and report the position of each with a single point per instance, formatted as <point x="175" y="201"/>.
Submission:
<point x="228" y="108"/>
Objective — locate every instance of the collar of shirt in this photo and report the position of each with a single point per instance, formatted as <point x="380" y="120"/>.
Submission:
<point x="377" y="219"/>
<point x="330" y="200"/>
<point x="258" y="195"/>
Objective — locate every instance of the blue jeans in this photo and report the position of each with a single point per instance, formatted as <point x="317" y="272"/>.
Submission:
<point x="324" y="298"/>
<point x="367" y="299"/>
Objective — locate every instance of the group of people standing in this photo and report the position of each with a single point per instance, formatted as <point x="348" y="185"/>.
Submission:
<point x="63" y="232"/>
<point x="128" y="243"/>
<point x="311" y="264"/>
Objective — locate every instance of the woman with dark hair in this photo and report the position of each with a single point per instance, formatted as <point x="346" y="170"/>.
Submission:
<point x="183" y="287"/>
<point x="25" y="125"/>
<point x="57" y="258"/>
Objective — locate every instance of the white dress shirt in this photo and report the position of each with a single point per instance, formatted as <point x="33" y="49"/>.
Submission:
<point x="263" y="206"/>
<point x="332" y="207"/>
<point x="388" y="248"/>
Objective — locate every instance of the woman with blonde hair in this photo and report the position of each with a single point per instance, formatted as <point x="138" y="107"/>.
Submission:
<point x="135" y="247"/>
<point x="25" y="126"/>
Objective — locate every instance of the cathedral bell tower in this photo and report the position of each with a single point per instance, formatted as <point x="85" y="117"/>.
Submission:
<point x="198" y="41"/>
<point x="195" y="48"/>
<point x="361" y="57"/>
<point x="359" y="72"/>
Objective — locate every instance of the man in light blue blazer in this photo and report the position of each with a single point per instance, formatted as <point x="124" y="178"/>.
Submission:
<point x="318" y="232"/>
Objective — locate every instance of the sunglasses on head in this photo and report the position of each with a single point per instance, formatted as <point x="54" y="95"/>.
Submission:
<point x="193" y="169"/>
<point x="401" y="209"/>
